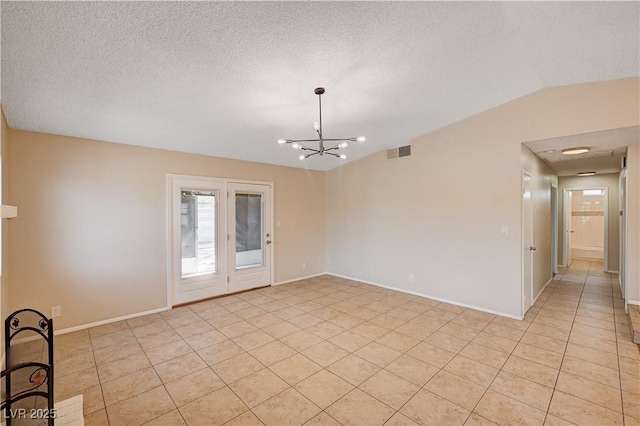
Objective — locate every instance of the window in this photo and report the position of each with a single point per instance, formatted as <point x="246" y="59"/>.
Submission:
<point x="248" y="230"/>
<point x="198" y="233"/>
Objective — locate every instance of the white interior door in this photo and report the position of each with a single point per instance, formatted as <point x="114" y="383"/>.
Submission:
<point x="250" y="236"/>
<point x="198" y="268"/>
<point x="528" y="248"/>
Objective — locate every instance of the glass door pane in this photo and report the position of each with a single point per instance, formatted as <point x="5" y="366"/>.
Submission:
<point x="198" y="232"/>
<point x="587" y="224"/>
<point x="249" y="218"/>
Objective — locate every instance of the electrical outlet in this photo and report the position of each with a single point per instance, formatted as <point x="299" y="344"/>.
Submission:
<point x="304" y="265"/>
<point x="56" y="311"/>
<point x="411" y="278"/>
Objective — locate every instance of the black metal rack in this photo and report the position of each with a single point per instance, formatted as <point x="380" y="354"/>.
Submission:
<point x="29" y="379"/>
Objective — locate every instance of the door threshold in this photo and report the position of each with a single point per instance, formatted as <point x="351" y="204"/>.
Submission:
<point x="179" y="305"/>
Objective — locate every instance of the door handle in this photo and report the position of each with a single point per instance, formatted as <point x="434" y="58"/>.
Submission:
<point x="532" y="248"/>
<point x="573" y="232"/>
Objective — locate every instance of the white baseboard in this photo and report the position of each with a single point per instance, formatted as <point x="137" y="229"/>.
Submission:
<point x="633" y="302"/>
<point x="92" y="324"/>
<point x="139" y="314"/>
<point x="153" y="311"/>
<point x="439" y="299"/>
<point x="300" y="278"/>
<point x="535" y="299"/>
<point x="109" y="321"/>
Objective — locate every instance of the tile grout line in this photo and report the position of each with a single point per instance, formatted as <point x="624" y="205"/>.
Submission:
<point x="579" y="301"/>
<point x="210" y="367"/>
<point x="388" y="331"/>
<point x="93" y="355"/>
<point x="553" y="389"/>
<point x="397" y="411"/>
<point x="615" y="325"/>
<point x="553" y="392"/>
<point x="501" y="368"/>
<point x="484" y="393"/>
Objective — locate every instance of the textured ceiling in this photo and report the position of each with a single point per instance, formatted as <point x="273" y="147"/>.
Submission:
<point x="229" y="78"/>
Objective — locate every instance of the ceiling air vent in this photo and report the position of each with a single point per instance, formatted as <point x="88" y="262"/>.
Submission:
<point x="403" y="151"/>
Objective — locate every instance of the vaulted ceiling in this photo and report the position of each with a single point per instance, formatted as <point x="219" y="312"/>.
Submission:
<point x="228" y="79"/>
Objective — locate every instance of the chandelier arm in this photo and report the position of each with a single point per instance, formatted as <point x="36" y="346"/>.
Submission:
<point x="339" y="140"/>
<point x="331" y="153"/>
<point x="304" y="148"/>
<point x="303" y="140"/>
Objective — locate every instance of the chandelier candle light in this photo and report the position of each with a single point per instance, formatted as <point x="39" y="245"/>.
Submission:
<point x="341" y="143"/>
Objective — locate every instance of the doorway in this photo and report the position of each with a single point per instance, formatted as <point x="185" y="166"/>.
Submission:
<point x="585" y="224"/>
<point x="219" y="237"/>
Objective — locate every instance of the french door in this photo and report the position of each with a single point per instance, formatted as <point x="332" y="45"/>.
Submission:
<point x="249" y="236"/>
<point x="219" y="237"/>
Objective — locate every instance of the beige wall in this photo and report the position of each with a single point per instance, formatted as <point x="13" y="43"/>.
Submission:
<point x="90" y="234"/>
<point x="437" y="214"/>
<point x="609" y="181"/>
<point x="542" y="177"/>
<point x="4" y="277"/>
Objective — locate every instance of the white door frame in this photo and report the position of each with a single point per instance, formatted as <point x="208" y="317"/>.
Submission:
<point x="566" y="227"/>
<point x="567" y="220"/>
<point x="527" y="287"/>
<point x="622" y="272"/>
<point x="171" y="181"/>
<point x="554" y="228"/>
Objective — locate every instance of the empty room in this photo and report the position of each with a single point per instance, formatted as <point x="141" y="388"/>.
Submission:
<point x="320" y="213"/>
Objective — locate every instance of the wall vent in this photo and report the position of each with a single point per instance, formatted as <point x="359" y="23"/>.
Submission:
<point x="403" y="151"/>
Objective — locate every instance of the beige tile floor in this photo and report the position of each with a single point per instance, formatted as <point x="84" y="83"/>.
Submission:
<point x="328" y="351"/>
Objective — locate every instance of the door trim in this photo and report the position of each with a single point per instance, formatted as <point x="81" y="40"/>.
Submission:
<point x="622" y="226"/>
<point x="524" y="251"/>
<point x="170" y="180"/>
<point x="554" y="229"/>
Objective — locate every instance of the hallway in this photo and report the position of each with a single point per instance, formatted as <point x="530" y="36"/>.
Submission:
<point x="598" y="364"/>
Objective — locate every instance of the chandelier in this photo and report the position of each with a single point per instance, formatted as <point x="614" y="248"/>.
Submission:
<point x="338" y="143"/>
